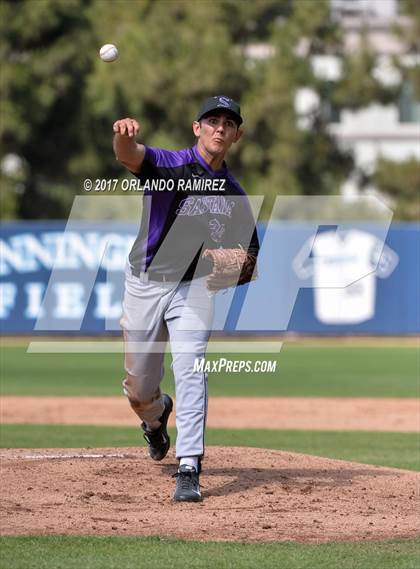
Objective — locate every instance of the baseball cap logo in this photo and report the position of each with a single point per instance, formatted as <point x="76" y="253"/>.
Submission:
<point x="224" y="102"/>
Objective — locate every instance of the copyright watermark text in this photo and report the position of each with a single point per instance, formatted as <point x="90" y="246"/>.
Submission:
<point x="160" y="185"/>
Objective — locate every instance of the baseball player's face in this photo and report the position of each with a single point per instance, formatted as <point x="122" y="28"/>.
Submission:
<point x="217" y="132"/>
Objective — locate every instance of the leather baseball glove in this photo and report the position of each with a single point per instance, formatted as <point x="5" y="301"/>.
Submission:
<point x="231" y="267"/>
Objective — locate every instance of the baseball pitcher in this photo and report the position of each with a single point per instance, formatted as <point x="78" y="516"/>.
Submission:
<point x="197" y="235"/>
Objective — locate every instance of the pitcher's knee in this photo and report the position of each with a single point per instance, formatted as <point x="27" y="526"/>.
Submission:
<point x="139" y="396"/>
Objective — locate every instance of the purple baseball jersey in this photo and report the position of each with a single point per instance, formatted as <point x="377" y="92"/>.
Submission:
<point x="188" y="207"/>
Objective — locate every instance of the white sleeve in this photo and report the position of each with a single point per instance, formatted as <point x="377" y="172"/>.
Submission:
<point x="383" y="259"/>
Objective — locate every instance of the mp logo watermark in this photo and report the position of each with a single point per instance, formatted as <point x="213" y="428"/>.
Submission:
<point x="262" y="307"/>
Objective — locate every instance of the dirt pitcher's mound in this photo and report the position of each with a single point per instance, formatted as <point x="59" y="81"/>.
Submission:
<point x="249" y="495"/>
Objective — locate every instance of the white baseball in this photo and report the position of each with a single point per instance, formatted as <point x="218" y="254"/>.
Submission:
<point x="108" y="52"/>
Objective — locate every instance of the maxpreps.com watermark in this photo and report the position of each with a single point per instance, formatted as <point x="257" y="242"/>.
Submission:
<point x="234" y="366"/>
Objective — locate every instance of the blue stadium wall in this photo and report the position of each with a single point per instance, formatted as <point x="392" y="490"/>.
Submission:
<point x="29" y="250"/>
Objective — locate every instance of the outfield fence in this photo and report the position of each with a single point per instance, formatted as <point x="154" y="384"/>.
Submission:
<point x="56" y="279"/>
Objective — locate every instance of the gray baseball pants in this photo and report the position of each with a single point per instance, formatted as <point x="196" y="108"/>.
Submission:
<point x="153" y="314"/>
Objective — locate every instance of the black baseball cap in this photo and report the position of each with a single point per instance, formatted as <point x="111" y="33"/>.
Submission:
<point x="220" y="102"/>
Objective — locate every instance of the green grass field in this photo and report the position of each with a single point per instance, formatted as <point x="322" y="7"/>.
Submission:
<point x="398" y="450"/>
<point x="327" y="371"/>
<point x="61" y="552"/>
<point x="301" y="371"/>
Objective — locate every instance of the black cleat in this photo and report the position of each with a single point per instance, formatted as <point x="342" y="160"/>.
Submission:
<point x="187" y="485"/>
<point x="158" y="440"/>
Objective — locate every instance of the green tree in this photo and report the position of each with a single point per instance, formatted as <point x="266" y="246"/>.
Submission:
<point x="289" y="159"/>
<point x="172" y="55"/>
<point x="44" y="51"/>
<point x="59" y="100"/>
<point x="401" y="182"/>
<point x="410" y="35"/>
